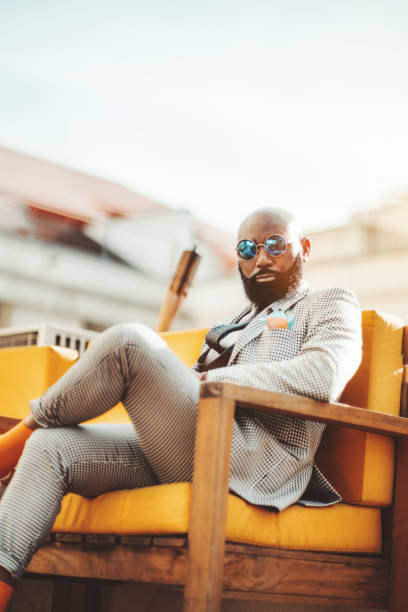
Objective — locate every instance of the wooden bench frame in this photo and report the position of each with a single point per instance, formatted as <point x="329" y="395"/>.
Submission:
<point x="353" y="579"/>
<point x="208" y="567"/>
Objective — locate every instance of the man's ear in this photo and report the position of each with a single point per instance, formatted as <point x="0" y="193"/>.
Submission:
<point x="305" y="249"/>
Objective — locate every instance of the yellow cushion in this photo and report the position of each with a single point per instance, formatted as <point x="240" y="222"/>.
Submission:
<point x="26" y="372"/>
<point x="358" y="464"/>
<point x="186" y="343"/>
<point x="164" y="509"/>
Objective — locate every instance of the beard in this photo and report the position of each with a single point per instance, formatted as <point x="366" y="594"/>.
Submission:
<point x="263" y="294"/>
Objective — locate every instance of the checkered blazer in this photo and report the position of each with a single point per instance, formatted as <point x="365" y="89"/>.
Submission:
<point x="272" y="460"/>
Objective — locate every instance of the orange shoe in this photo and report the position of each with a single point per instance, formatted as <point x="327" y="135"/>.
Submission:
<point x="6" y="591"/>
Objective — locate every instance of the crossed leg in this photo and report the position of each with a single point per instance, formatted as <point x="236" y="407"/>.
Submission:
<point x="127" y="363"/>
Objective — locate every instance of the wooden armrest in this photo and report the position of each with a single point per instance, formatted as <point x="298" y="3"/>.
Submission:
<point x="208" y="510"/>
<point x="304" y="407"/>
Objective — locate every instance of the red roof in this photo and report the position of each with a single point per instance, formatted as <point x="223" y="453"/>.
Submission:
<point x="51" y="191"/>
<point x="69" y="193"/>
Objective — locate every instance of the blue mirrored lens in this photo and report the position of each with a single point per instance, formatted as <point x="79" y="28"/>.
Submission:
<point x="275" y="245"/>
<point x="246" y="249"/>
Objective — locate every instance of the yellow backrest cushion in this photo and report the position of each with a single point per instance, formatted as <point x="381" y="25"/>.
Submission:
<point x="358" y="464"/>
<point x="26" y="372"/>
<point x="186" y="343"/>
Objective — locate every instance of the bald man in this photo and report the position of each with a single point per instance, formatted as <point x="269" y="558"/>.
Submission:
<point x="288" y="338"/>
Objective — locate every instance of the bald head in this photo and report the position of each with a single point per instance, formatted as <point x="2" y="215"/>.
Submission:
<point x="282" y="220"/>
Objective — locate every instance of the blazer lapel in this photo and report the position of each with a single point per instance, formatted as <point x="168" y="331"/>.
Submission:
<point x="257" y="325"/>
<point x="235" y="319"/>
<point x="241" y="314"/>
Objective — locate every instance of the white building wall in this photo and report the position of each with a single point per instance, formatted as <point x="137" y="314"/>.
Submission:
<point x="41" y="282"/>
<point x="375" y="270"/>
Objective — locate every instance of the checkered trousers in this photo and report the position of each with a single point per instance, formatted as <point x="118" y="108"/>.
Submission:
<point x="127" y="363"/>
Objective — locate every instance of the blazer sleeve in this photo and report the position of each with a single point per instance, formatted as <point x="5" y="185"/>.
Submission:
<point x="328" y="357"/>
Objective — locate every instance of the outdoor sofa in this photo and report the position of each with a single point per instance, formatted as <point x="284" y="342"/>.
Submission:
<point x="354" y="553"/>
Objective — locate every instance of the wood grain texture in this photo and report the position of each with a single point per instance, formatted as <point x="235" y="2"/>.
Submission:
<point x="295" y="576"/>
<point x="136" y="540"/>
<point x="208" y="515"/>
<point x="404" y="392"/>
<point x="310" y="556"/>
<point x="172" y="541"/>
<point x="101" y="539"/>
<point x="302" y="600"/>
<point x="71" y="538"/>
<point x="399" y="551"/>
<point x="404" y="387"/>
<point x="305" y="407"/>
<point x="123" y="563"/>
<point x="264" y="573"/>
<point x="7" y="423"/>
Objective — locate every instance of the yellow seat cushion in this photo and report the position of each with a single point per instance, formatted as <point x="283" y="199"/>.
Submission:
<point x="358" y="464"/>
<point x="164" y="509"/>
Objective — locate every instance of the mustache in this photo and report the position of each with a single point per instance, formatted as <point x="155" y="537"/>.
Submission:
<point x="264" y="271"/>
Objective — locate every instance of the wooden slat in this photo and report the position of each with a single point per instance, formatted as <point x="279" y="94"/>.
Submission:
<point x="304" y="407"/>
<point x="306" y="577"/>
<point x="399" y="552"/>
<point x="208" y="515"/>
<point x="404" y="392"/>
<point x="305" y="555"/>
<point x="136" y="540"/>
<point x="292" y="576"/>
<point x="101" y="539"/>
<point x="404" y="387"/>
<point x="7" y="423"/>
<point x="72" y="538"/>
<point x="122" y="563"/>
<point x="175" y="542"/>
<point x="303" y="600"/>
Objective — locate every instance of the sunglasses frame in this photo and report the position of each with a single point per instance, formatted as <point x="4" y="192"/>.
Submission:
<point x="263" y="244"/>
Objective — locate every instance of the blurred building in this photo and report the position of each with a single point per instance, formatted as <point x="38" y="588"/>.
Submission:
<point x="370" y="256"/>
<point x="82" y="251"/>
<point x="85" y="252"/>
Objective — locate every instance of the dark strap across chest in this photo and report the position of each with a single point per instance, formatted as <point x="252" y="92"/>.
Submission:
<point x="213" y="339"/>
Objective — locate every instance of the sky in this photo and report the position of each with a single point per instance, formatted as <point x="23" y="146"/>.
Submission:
<point x="218" y="106"/>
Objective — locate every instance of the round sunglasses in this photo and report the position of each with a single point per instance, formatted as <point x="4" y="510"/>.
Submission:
<point x="274" y="245"/>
